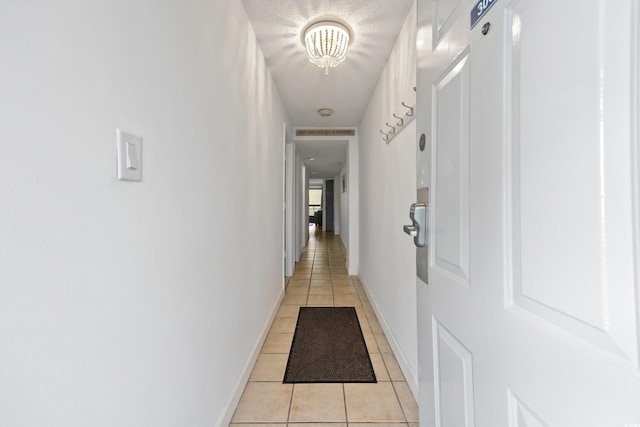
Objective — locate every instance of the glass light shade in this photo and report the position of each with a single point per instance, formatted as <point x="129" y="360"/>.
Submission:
<point x="327" y="44"/>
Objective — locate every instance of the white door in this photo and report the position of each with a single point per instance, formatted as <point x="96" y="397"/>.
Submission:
<point x="532" y="160"/>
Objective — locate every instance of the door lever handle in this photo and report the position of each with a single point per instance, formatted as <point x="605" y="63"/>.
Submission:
<point x="418" y="228"/>
<point x="410" y="230"/>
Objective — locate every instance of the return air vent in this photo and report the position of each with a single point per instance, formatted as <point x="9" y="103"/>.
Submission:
<point x="325" y="132"/>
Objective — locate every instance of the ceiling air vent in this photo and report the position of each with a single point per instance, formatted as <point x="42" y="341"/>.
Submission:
<point x="325" y="132"/>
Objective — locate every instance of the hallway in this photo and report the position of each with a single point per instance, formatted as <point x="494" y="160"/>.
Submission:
<point x="321" y="279"/>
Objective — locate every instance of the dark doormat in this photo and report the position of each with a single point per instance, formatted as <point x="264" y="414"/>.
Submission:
<point x="328" y="347"/>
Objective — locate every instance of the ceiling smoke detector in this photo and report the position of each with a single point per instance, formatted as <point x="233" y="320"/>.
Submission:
<point x="325" y="112"/>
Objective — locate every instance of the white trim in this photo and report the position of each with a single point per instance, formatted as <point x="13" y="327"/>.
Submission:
<point x="290" y="208"/>
<point x="230" y="408"/>
<point x="409" y="375"/>
<point x="353" y="194"/>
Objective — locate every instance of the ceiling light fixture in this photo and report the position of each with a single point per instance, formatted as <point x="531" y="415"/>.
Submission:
<point x="327" y="43"/>
<point x="325" y="112"/>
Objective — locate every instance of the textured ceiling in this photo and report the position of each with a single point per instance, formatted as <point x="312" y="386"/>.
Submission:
<point x="324" y="159"/>
<point x="303" y="86"/>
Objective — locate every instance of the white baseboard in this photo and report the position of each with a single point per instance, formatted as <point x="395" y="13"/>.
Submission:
<point x="230" y="407"/>
<point x="410" y="376"/>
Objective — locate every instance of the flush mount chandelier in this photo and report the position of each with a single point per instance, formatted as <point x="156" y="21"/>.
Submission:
<point x="327" y="43"/>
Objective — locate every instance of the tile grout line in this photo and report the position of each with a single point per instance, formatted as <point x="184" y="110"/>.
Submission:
<point x="404" y="414"/>
<point x="344" y="399"/>
<point x="291" y="404"/>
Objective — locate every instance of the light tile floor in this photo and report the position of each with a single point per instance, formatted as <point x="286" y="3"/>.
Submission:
<point x="321" y="279"/>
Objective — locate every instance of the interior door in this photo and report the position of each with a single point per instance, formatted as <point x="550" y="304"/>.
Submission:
<point x="445" y="311"/>
<point x="531" y="159"/>
<point x="329" y="205"/>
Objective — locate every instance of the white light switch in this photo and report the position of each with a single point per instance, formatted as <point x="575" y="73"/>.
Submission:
<point x="129" y="148"/>
<point x="132" y="156"/>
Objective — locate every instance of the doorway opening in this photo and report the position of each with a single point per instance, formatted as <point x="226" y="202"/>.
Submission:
<point x="315" y="205"/>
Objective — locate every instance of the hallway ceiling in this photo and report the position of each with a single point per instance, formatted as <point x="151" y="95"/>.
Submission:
<point x="323" y="159"/>
<point x="304" y="87"/>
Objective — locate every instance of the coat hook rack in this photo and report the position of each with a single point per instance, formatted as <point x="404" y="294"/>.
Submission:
<point x="400" y="120"/>
<point x="393" y="128"/>
<point x="410" y="113"/>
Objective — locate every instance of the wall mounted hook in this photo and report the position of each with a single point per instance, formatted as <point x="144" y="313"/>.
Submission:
<point x="401" y="122"/>
<point x="410" y="113"/>
<point x="393" y="129"/>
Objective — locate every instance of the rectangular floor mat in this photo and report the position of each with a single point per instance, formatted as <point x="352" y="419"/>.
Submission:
<point x="328" y="347"/>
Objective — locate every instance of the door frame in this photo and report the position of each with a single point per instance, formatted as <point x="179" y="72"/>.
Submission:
<point x="289" y="208"/>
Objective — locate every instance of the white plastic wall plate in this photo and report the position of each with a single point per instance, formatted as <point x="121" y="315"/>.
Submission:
<point x="129" y="150"/>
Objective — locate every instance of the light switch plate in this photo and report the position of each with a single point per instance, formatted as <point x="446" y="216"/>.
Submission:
<point x="129" y="149"/>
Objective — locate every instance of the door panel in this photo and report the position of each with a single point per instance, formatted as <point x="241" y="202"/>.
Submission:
<point x="531" y="314"/>
<point x="446" y="13"/>
<point x="446" y="374"/>
<point x="454" y="379"/>
<point x="520" y="415"/>
<point x="330" y="205"/>
<point x="584" y="185"/>
<point x="451" y="146"/>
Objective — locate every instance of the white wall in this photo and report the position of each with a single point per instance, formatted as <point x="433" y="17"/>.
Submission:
<point x="132" y="304"/>
<point x="387" y="189"/>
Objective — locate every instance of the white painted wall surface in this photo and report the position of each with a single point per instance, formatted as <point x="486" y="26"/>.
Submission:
<point x="133" y="304"/>
<point x="387" y="189"/>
